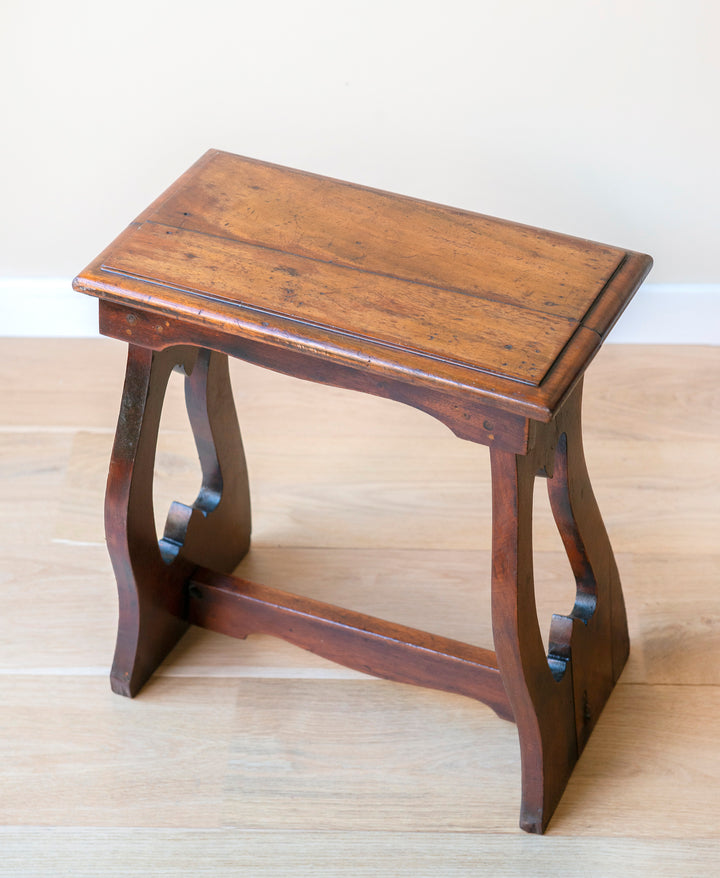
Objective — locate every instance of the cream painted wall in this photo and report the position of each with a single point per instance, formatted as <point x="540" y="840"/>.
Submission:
<point x="600" y="119"/>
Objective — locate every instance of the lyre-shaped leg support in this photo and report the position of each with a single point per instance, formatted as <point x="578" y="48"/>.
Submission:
<point x="215" y="531"/>
<point x="556" y="698"/>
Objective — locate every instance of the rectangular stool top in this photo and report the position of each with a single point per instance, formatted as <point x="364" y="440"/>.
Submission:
<point x="403" y="288"/>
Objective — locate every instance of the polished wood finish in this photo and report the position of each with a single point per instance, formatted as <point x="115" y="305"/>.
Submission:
<point x="239" y="608"/>
<point x="556" y="698"/>
<point x="358" y="277"/>
<point x="486" y="325"/>
<point x="468" y="419"/>
<point x="215" y="530"/>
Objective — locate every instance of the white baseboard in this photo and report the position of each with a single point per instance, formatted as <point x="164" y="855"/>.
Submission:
<point x="671" y="314"/>
<point x="46" y="307"/>
<point x="659" y="313"/>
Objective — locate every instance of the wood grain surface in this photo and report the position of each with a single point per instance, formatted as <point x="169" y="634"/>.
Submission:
<point x="427" y="295"/>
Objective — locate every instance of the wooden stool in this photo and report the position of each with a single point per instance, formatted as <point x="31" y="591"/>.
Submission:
<point x="484" y="324"/>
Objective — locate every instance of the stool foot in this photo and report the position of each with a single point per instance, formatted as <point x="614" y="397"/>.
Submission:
<point x="556" y="698"/>
<point x="214" y="531"/>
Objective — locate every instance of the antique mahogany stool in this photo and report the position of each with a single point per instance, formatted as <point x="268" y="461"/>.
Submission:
<point x="485" y="324"/>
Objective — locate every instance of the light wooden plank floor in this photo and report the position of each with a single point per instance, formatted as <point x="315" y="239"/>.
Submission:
<point x="253" y="757"/>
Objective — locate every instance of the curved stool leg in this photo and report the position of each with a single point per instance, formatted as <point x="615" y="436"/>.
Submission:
<point x="214" y="532"/>
<point x="556" y="698"/>
<point x="541" y="704"/>
<point x="600" y="653"/>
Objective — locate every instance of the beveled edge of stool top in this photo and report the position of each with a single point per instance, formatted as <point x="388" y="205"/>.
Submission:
<point x="473" y="306"/>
